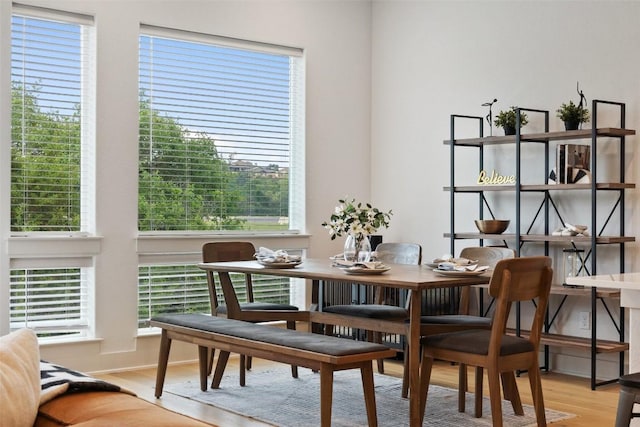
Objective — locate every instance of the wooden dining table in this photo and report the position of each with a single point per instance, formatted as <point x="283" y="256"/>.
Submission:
<point x="414" y="278"/>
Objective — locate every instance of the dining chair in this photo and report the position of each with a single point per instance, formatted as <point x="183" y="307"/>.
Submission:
<point x="513" y="280"/>
<point x="436" y="324"/>
<point x="250" y="310"/>
<point x="382" y="308"/>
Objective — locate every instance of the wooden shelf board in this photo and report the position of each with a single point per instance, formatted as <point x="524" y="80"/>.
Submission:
<point x="604" y="240"/>
<point x="557" y="340"/>
<point x="541" y="187"/>
<point x="565" y="290"/>
<point x="542" y="137"/>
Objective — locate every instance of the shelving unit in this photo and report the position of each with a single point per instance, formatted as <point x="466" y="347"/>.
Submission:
<point x="523" y="232"/>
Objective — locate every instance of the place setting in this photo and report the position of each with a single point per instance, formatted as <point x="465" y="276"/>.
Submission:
<point x="457" y="267"/>
<point x="276" y="259"/>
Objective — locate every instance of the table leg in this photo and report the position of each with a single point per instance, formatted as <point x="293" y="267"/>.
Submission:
<point x="415" y="307"/>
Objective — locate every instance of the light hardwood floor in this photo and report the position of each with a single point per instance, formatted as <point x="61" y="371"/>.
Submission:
<point x="561" y="392"/>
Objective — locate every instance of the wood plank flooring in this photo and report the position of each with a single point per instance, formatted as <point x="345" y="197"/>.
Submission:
<point x="561" y="392"/>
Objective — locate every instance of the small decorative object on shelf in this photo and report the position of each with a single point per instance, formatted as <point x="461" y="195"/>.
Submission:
<point x="490" y="115"/>
<point x="572" y="115"/>
<point x="573" y="264"/>
<point x="507" y="120"/>
<point x="492" y="226"/>
<point x="357" y="220"/>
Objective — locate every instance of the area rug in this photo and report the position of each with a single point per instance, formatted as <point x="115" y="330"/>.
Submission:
<point x="274" y="397"/>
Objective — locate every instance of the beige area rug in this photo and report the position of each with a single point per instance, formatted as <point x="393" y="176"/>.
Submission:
<point x="274" y="397"/>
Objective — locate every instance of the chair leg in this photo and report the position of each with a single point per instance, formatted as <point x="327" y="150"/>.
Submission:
<point x="377" y="338"/>
<point x="223" y="357"/>
<point x="212" y="354"/>
<point x="405" y="372"/>
<point x="366" y="372"/>
<point x="493" y="375"/>
<point x="463" y="386"/>
<point x="536" y="393"/>
<point x="477" y="410"/>
<point x="511" y="393"/>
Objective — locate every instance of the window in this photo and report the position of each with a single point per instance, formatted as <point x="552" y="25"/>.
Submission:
<point x="219" y="126"/>
<point x="183" y="289"/>
<point x="51" y="301"/>
<point x="51" y="159"/>
<point x="220" y="150"/>
<point x="50" y="125"/>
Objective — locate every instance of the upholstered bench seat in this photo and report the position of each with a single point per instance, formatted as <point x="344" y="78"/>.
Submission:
<point x="322" y="353"/>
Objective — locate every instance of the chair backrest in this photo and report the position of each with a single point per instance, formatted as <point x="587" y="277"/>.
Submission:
<point x="485" y="255"/>
<point x="399" y="253"/>
<point x="223" y="252"/>
<point x="520" y="279"/>
<point x="395" y="253"/>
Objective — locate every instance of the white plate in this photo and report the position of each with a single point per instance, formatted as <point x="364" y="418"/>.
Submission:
<point x="364" y="270"/>
<point x="290" y="264"/>
<point x="456" y="273"/>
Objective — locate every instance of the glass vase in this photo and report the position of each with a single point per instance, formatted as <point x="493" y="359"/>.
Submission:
<point x="357" y="248"/>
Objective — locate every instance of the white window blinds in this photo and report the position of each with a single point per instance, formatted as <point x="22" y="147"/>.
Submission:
<point x="51" y="137"/>
<point x="219" y="121"/>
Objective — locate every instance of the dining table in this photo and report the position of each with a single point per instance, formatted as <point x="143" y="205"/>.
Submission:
<point x="414" y="278"/>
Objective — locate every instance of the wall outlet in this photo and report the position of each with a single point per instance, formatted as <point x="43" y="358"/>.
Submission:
<point x="584" y="320"/>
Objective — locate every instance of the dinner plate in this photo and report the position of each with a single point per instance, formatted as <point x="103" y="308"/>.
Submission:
<point x="364" y="270"/>
<point x="288" y="264"/>
<point x="456" y="273"/>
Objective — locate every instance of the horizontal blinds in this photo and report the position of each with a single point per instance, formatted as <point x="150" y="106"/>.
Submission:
<point x="164" y="289"/>
<point x="50" y="301"/>
<point x="48" y="87"/>
<point x="215" y="135"/>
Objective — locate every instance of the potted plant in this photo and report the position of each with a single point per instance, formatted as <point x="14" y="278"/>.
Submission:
<point x="572" y="115"/>
<point x="507" y="120"/>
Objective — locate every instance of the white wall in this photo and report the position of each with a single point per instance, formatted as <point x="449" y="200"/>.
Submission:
<point x="336" y="40"/>
<point x="432" y="59"/>
<point x="382" y="79"/>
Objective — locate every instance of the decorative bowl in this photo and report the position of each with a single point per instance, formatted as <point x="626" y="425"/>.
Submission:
<point x="492" y="226"/>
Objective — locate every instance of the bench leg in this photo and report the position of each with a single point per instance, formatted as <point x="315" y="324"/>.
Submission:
<point x="243" y="370"/>
<point x="203" y="365"/>
<point x="366" y="372"/>
<point x="223" y="356"/>
<point x="326" y="394"/>
<point x="163" y="360"/>
<point x="291" y="324"/>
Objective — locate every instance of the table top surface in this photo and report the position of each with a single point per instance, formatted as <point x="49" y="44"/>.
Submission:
<point x="398" y="276"/>
<point x="615" y="281"/>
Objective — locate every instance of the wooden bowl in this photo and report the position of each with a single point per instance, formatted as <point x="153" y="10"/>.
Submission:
<point x="492" y="226"/>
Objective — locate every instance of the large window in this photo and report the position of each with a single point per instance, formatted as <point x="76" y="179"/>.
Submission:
<point x="220" y="150"/>
<point x="218" y="125"/>
<point x="51" y="146"/>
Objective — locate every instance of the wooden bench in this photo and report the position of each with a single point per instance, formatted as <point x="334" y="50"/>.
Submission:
<point x="322" y="353"/>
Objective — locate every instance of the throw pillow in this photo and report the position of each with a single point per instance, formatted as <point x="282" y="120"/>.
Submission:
<point x="19" y="378"/>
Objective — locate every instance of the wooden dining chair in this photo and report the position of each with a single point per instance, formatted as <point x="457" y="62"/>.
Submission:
<point x="513" y="280"/>
<point x="250" y="310"/>
<point x="463" y="320"/>
<point x="382" y="308"/>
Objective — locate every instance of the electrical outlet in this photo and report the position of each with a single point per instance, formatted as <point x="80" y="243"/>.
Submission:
<point x="584" y="320"/>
